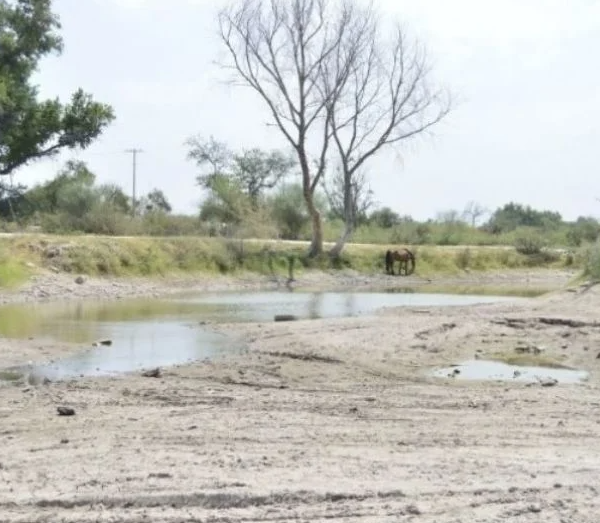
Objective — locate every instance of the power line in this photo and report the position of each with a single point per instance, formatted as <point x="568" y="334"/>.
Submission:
<point x="134" y="152"/>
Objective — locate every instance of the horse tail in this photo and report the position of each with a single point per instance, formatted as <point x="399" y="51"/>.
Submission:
<point x="411" y="257"/>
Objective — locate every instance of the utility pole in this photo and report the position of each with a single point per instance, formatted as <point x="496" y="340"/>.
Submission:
<point x="134" y="152"/>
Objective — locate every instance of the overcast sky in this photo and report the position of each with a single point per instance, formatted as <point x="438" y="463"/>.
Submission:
<point x="526" y="129"/>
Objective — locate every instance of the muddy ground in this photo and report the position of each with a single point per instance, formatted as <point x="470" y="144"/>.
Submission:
<point x="49" y="286"/>
<point x="322" y="420"/>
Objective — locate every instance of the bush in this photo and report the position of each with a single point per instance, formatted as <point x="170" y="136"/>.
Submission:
<point x="463" y="258"/>
<point x="529" y="242"/>
<point x="591" y="267"/>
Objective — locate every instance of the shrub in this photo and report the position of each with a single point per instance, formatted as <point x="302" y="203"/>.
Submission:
<point x="463" y="258"/>
<point x="529" y="242"/>
<point x="592" y="262"/>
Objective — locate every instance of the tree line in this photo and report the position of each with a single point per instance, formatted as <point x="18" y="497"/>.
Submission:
<point x="256" y="193"/>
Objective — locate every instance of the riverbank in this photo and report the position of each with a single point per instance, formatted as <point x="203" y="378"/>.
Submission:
<point x="49" y="286"/>
<point x="22" y="257"/>
<point x="335" y="420"/>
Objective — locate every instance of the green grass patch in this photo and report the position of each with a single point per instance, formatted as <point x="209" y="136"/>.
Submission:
<point x="13" y="270"/>
<point x="10" y="375"/>
<point x="158" y="256"/>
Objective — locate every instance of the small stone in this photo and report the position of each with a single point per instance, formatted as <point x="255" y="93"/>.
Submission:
<point x="413" y="510"/>
<point x="64" y="441"/>
<point x="65" y="411"/>
<point x="152" y="373"/>
<point x="80" y="280"/>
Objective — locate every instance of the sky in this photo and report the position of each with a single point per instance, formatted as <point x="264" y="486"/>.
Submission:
<point x="524" y="73"/>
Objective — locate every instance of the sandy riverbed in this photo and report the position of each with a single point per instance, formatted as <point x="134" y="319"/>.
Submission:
<point x="323" y="420"/>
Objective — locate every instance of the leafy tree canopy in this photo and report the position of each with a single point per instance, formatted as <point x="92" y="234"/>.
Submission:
<point x="514" y="215"/>
<point x="32" y="129"/>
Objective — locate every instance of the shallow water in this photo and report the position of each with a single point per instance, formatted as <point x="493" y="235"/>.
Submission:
<point x="496" y="370"/>
<point x="162" y="332"/>
<point x="263" y="306"/>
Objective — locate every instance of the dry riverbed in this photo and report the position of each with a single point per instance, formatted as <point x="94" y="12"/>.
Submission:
<point x="322" y="420"/>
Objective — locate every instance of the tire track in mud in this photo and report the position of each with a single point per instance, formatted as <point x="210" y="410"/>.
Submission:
<point x="479" y="505"/>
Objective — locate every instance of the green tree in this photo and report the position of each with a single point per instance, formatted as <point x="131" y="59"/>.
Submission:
<point x="31" y="129"/>
<point x="157" y="201"/>
<point x="259" y="171"/>
<point x="514" y="215"/>
<point x="290" y="213"/>
<point x="384" y="218"/>
<point x="48" y="197"/>
<point x="584" y="229"/>
<point x="112" y="196"/>
<point x="255" y="171"/>
<point x="209" y="153"/>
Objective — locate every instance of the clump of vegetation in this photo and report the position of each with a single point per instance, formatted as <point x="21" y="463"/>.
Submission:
<point x="12" y="270"/>
<point x="528" y="242"/>
<point x="591" y="267"/>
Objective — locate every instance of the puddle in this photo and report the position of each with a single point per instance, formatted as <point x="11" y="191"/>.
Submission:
<point x="262" y="306"/>
<point x="496" y="370"/>
<point x="163" y="332"/>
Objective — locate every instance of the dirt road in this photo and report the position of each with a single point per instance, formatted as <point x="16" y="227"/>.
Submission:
<point x="322" y="420"/>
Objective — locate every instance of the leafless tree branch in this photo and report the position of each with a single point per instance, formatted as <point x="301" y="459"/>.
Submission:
<point x="331" y="79"/>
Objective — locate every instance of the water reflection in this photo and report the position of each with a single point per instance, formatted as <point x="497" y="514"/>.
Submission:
<point x="497" y="370"/>
<point x="162" y="332"/>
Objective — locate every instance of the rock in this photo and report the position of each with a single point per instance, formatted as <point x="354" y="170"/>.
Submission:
<point x="528" y="349"/>
<point x="65" y="411"/>
<point x="152" y="373"/>
<point x="80" y="280"/>
<point x="64" y="441"/>
<point x="285" y="317"/>
<point x="102" y="342"/>
<point x="548" y="382"/>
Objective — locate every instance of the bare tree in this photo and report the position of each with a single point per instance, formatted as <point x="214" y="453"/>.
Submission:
<point x="473" y="211"/>
<point x="212" y="152"/>
<point x="379" y="94"/>
<point x="348" y="205"/>
<point x="279" y="49"/>
<point x="325" y="71"/>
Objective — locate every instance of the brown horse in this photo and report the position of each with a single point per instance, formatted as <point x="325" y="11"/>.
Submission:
<point x="403" y="256"/>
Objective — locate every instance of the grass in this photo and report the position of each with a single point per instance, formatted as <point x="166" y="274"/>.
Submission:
<point x="159" y="256"/>
<point x="13" y="269"/>
<point x="10" y="375"/>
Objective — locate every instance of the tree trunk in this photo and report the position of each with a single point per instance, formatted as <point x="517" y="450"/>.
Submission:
<point x="316" y="245"/>
<point x="337" y="249"/>
<point x="350" y="205"/>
